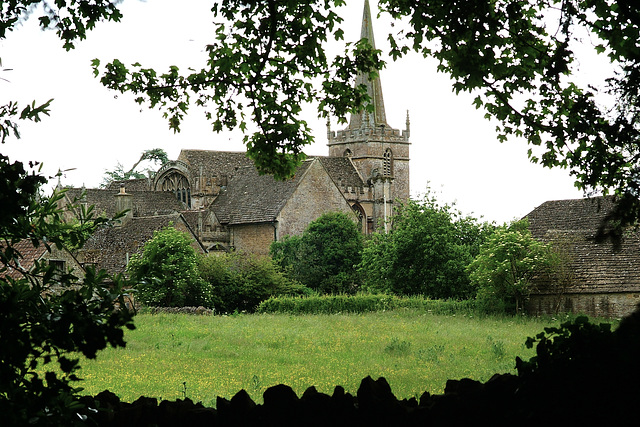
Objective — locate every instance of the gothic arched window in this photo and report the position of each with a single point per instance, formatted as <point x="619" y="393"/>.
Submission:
<point x="178" y="184"/>
<point x="347" y="153"/>
<point x="388" y="162"/>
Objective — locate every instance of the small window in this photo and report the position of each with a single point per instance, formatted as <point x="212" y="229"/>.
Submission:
<point x="388" y="159"/>
<point x="58" y="268"/>
<point x="347" y="153"/>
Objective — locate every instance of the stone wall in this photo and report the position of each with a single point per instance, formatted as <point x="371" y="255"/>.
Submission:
<point x="253" y="238"/>
<point x="610" y="305"/>
<point x="315" y="195"/>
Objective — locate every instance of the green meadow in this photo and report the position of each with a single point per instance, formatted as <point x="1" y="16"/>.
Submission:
<point x="171" y="356"/>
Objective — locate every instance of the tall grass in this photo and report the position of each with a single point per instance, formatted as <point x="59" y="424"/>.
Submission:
<point x="201" y="357"/>
<point x="361" y="303"/>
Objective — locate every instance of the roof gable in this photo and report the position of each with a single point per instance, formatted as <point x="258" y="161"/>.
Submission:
<point x="110" y="247"/>
<point x="254" y="198"/>
<point x="342" y="171"/>
<point x="29" y="255"/>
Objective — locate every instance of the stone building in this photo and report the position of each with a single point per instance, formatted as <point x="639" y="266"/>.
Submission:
<point x="598" y="278"/>
<point x="220" y="199"/>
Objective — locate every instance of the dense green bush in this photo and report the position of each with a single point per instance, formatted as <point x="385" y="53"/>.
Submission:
<point x="425" y="253"/>
<point x="361" y="303"/>
<point x="326" y="256"/>
<point x="240" y="281"/>
<point x="506" y="265"/>
<point x="165" y="273"/>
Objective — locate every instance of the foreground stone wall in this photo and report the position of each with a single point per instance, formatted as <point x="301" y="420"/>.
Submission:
<point x="594" y="382"/>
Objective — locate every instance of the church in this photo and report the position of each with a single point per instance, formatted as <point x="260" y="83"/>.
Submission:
<point x="226" y="205"/>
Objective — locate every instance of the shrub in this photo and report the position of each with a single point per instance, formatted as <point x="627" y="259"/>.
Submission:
<point x="240" y="281"/>
<point x="507" y="263"/>
<point x="166" y="273"/>
<point x="326" y="256"/>
<point x="362" y="303"/>
<point x="425" y="253"/>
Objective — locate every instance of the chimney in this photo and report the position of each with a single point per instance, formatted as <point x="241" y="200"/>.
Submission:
<point x="124" y="202"/>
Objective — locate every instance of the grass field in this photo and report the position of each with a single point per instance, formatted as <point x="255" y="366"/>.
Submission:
<point x="202" y="357"/>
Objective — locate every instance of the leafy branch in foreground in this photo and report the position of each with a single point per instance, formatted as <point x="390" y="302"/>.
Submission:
<point x="49" y="317"/>
<point x="520" y="59"/>
<point x="267" y="61"/>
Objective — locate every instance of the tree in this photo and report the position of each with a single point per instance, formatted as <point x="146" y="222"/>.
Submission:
<point x="156" y="155"/>
<point x="518" y="57"/>
<point x="325" y="257"/>
<point x="425" y="253"/>
<point x="48" y="319"/>
<point x="241" y="281"/>
<point x="165" y="273"/>
<point x="507" y="263"/>
<point x="262" y="67"/>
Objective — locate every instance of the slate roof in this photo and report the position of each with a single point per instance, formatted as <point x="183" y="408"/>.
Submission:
<point x="145" y="203"/>
<point x="342" y="171"/>
<point x="214" y="163"/>
<point x="141" y="184"/>
<point x="253" y="198"/>
<point x="110" y="247"/>
<point x="595" y="267"/>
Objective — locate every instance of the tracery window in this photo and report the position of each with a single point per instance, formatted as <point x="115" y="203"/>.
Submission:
<point x="179" y="184"/>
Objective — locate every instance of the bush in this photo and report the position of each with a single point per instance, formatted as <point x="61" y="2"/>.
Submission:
<point x="326" y="256"/>
<point x="240" y="281"/>
<point x="425" y="253"/>
<point x="166" y="273"/>
<point x="361" y="303"/>
<point x="503" y="270"/>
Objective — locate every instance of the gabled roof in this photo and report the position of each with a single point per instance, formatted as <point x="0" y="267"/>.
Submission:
<point x="342" y="171"/>
<point x="30" y="254"/>
<point x="110" y="247"/>
<point x="144" y="202"/>
<point x="571" y="226"/>
<point x="214" y="163"/>
<point x="253" y="198"/>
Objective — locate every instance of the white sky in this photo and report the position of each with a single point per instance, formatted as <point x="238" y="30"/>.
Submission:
<point x="454" y="149"/>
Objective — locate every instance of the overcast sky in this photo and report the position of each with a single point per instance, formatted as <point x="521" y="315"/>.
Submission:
<point x="454" y="149"/>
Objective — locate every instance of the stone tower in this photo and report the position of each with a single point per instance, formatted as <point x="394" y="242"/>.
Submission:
<point x="379" y="152"/>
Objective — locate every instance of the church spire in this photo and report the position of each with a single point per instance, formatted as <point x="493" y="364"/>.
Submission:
<point x="374" y="87"/>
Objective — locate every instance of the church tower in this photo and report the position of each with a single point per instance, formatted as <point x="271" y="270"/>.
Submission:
<point x="379" y="152"/>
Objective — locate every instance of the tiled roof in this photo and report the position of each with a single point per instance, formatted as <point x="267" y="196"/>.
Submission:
<point x="144" y="202"/>
<point x="214" y="163"/>
<point x="583" y="215"/>
<point x="342" y="171"/>
<point x="141" y="184"/>
<point x="30" y="254"/>
<point x="594" y="266"/>
<point x="110" y="247"/>
<point x="253" y="198"/>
